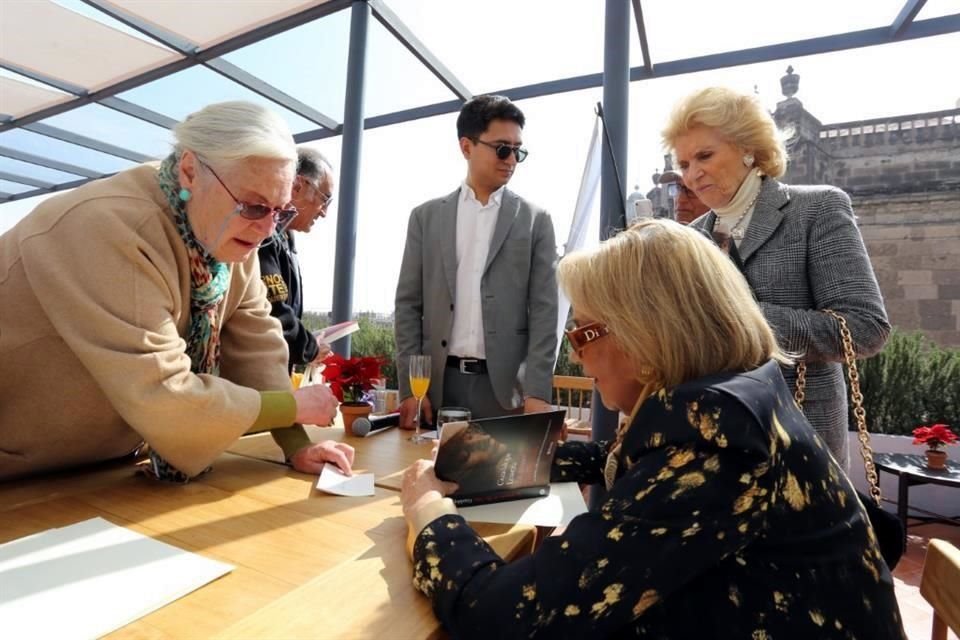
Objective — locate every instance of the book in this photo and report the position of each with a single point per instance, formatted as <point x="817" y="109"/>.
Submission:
<point x="499" y="459"/>
<point x="337" y="331"/>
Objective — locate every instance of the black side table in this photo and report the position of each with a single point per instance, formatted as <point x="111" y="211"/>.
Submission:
<point x="912" y="470"/>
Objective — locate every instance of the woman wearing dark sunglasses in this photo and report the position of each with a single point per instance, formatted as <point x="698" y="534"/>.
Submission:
<point x="133" y="311"/>
<point x="725" y="515"/>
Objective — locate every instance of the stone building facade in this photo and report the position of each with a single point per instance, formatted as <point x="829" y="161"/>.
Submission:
<point x="903" y="175"/>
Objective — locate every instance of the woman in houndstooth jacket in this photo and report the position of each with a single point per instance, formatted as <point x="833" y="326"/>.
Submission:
<point x="799" y="247"/>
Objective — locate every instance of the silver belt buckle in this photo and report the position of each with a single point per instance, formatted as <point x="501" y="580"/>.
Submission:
<point x="464" y="362"/>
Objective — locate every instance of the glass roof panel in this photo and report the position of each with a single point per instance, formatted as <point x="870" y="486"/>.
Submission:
<point x="938" y="8"/>
<point x="14" y="187"/>
<point x="84" y="9"/>
<point x="180" y="94"/>
<point x="206" y="23"/>
<point x="104" y="124"/>
<point x="397" y="80"/>
<point x="683" y="29"/>
<point x="18" y="96"/>
<point x="43" y="37"/>
<point x="315" y="75"/>
<point x="500" y="44"/>
<point x="63" y="151"/>
<point x="34" y="171"/>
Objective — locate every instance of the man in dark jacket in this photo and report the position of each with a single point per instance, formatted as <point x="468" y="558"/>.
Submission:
<point x="279" y="267"/>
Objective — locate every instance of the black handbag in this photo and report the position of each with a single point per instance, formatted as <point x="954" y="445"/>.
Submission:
<point x="891" y="537"/>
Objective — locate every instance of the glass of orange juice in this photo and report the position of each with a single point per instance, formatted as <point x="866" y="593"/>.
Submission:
<point x="419" y="383"/>
<point x="296" y="379"/>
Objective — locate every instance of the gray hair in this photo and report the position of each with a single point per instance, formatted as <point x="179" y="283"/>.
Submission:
<point x="311" y="164"/>
<point x="225" y="132"/>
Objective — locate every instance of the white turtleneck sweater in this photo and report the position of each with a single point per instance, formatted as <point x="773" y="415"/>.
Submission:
<point x="742" y="204"/>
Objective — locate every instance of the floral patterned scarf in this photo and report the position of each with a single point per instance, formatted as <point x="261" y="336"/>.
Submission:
<point x="209" y="280"/>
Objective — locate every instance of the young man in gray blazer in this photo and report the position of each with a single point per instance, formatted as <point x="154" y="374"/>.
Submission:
<point x="477" y="289"/>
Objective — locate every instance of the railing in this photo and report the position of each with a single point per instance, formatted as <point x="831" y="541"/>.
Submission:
<point x="935" y="125"/>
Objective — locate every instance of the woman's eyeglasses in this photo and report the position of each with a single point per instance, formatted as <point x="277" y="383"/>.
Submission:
<point x="580" y="337"/>
<point x="281" y="215"/>
<point x="503" y="150"/>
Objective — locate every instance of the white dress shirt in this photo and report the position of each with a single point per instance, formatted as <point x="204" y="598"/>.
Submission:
<point x="475" y="224"/>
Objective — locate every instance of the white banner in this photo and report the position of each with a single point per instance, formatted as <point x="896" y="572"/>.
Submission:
<point x="578" y="237"/>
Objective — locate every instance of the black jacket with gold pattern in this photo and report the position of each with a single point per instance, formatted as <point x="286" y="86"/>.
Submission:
<point x="729" y="519"/>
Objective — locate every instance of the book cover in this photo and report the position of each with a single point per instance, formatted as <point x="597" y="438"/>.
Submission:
<point x="498" y="459"/>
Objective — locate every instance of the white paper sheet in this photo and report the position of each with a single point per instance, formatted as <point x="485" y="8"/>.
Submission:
<point x="332" y="480"/>
<point x="88" y="579"/>
<point x="564" y="503"/>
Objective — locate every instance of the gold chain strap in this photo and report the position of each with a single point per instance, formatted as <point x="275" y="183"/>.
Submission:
<point x="856" y="398"/>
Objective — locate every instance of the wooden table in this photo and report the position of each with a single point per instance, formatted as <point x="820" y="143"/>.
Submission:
<point x="308" y="565"/>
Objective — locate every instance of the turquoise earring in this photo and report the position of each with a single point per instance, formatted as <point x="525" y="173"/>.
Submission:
<point x="185" y="195"/>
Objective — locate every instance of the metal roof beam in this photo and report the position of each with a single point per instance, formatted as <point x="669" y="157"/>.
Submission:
<point x="32" y="182"/>
<point x="141" y="113"/>
<point x="51" y="189"/>
<point x="84" y="141"/>
<point x="66" y="87"/>
<point x="123" y="106"/>
<point x="402" y="32"/>
<point x="49" y="163"/>
<point x="225" y="47"/>
<point x="799" y="48"/>
<point x="909" y="11"/>
<point x="642" y="34"/>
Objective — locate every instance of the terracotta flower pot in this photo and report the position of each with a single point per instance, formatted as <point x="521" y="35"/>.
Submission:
<point x="936" y="459"/>
<point x="351" y="411"/>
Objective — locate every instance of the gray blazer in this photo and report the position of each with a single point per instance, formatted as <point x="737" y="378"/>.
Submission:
<point x="802" y="253"/>
<point x="518" y="287"/>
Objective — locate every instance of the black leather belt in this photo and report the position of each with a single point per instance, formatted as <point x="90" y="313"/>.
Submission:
<point x="472" y="366"/>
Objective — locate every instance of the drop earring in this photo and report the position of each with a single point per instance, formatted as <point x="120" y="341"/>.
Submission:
<point x="185" y="195"/>
<point x="748" y="160"/>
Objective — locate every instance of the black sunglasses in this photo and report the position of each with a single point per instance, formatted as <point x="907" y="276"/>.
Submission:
<point x="503" y="150"/>
<point x="281" y="215"/>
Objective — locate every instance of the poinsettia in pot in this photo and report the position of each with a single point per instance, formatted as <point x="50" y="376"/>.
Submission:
<point x="935" y="437"/>
<point x="350" y="379"/>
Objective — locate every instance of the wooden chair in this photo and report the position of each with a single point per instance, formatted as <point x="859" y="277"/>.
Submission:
<point x="572" y="393"/>
<point x="940" y="586"/>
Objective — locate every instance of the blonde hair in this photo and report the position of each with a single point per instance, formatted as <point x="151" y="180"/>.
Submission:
<point x="739" y="117"/>
<point x="226" y="132"/>
<point x="672" y="301"/>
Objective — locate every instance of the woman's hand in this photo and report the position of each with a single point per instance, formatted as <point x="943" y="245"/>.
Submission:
<point x="323" y="350"/>
<point x="316" y="404"/>
<point x="311" y="458"/>
<point x="421" y="487"/>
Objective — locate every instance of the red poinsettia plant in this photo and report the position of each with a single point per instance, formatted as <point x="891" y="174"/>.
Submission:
<point x="350" y="378"/>
<point x="934" y="436"/>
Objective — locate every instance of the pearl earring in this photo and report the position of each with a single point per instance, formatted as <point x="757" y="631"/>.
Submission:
<point x="185" y="195"/>
<point x="748" y="160"/>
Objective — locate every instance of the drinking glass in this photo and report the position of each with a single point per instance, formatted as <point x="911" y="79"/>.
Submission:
<point x="451" y="414"/>
<point x="419" y="383"/>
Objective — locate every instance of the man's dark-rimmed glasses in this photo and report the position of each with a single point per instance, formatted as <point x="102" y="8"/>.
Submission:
<point x="503" y="150"/>
<point x="281" y="215"/>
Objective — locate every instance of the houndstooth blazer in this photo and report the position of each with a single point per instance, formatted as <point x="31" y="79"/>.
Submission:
<point x="803" y="253"/>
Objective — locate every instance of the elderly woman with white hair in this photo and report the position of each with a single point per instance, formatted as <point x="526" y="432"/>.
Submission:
<point x="133" y="311"/>
<point x="725" y="516"/>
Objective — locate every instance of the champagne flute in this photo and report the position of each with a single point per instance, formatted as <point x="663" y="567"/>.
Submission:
<point x="419" y="383"/>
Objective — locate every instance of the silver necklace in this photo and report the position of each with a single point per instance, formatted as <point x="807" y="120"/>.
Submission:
<point x="735" y="231"/>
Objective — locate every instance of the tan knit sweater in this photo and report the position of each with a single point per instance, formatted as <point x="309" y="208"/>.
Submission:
<point x="94" y="309"/>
